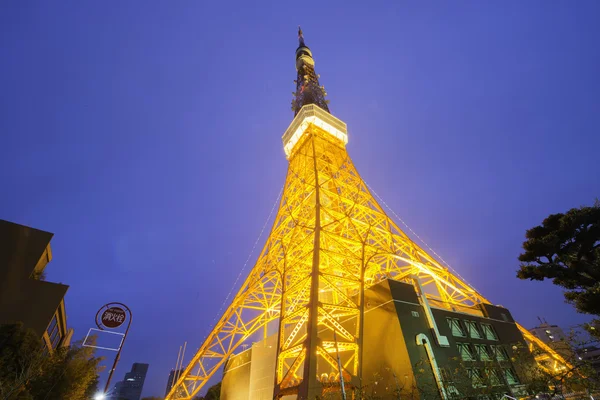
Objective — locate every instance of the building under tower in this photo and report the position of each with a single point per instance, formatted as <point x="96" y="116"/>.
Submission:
<point x="341" y="300"/>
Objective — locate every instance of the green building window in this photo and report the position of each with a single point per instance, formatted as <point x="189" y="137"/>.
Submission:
<point x="465" y="352"/>
<point x="476" y="377"/>
<point x="473" y="330"/>
<point x="510" y="376"/>
<point x="488" y="332"/>
<point x="494" y="377"/>
<point x="482" y="352"/>
<point x="456" y="327"/>
<point x="499" y="353"/>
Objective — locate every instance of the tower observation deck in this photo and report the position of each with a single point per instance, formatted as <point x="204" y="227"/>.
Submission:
<point x="330" y="250"/>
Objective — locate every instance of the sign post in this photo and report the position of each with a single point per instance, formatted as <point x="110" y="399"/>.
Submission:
<point x="112" y="316"/>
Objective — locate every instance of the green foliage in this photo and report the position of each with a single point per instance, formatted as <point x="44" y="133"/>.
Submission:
<point x="27" y="373"/>
<point x="566" y="249"/>
<point x="580" y="378"/>
<point x="20" y="360"/>
<point x="213" y="392"/>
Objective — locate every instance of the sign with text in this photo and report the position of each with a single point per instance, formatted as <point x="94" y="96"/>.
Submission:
<point x="113" y="317"/>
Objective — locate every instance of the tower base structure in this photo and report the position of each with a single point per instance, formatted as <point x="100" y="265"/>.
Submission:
<point x="401" y="354"/>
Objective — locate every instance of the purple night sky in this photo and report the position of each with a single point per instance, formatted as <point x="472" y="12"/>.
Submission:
<point x="147" y="137"/>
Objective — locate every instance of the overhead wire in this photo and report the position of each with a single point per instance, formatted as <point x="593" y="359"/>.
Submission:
<point x="417" y="236"/>
<point x="241" y="273"/>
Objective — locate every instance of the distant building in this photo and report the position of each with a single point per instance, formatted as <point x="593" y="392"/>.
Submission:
<point x="549" y="333"/>
<point x="554" y="337"/>
<point x="24" y="294"/>
<point x="172" y="379"/>
<point x="591" y="355"/>
<point x="130" y="388"/>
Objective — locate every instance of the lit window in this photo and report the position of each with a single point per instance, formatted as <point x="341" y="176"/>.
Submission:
<point x="548" y="332"/>
<point x="551" y="337"/>
<point x="482" y="352"/>
<point x="415" y="313"/>
<point x="456" y="327"/>
<point x="465" y="352"/>
<point x="488" y="332"/>
<point x="472" y="329"/>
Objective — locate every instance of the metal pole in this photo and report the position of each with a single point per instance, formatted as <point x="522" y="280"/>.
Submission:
<point x="176" y="371"/>
<point x="339" y="366"/>
<point x="181" y="361"/>
<point x="118" y="356"/>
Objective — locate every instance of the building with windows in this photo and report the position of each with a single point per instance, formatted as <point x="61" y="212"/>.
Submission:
<point x="412" y="344"/>
<point x="130" y="388"/>
<point x="25" y="296"/>
<point x="591" y="355"/>
<point x="555" y="337"/>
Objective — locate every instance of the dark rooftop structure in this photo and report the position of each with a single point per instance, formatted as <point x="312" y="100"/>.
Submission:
<point x="25" y="296"/>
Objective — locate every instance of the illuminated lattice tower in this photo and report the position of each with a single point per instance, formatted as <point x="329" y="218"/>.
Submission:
<point x="330" y="241"/>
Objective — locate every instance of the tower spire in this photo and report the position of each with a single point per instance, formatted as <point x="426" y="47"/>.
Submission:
<point x="308" y="89"/>
<point x="300" y="37"/>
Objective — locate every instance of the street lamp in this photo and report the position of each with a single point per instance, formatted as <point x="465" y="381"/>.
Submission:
<point x="99" y="396"/>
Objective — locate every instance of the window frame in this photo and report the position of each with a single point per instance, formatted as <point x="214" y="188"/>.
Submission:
<point x="482" y="349"/>
<point x="489" y="328"/>
<point x="470" y="325"/>
<point x="493" y="373"/>
<point x="513" y="375"/>
<point x="498" y="349"/>
<point x="470" y="351"/>
<point x="456" y="322"/>
<point x="475" y="375"/>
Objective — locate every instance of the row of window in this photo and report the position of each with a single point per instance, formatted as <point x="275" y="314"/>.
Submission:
<point x="54" y="332"/>
<point x="494" y="377"/>
<point x="484" y="378"/>
<point x="471" y="329"/>
<point x="481" y="352"/>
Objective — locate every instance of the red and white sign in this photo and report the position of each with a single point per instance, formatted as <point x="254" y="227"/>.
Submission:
<point x="113" y="317"/>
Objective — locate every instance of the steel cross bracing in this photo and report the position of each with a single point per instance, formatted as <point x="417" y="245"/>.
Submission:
<point x="330" y="241"/>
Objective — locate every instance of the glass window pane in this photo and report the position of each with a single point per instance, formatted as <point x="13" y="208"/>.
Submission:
<point x="53" y="324"/>
<point x="511" y="377"/>
<point x="489" y="332"/>
<point x="473" y="331"/>
<point x="455" y="327"/>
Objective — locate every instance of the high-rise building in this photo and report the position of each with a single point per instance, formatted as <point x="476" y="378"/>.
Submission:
<point x="549" y="333"/>
<point x="130" y="388"/>
<point x="171" y="380"/>
<point x="340" y="293"/>
<point x="25" y="295"/>
<point x="553" y="336"/>
<point x="591" y="355"/>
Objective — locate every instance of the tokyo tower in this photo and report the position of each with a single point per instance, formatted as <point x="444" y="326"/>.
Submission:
<point x="331" y="244"/>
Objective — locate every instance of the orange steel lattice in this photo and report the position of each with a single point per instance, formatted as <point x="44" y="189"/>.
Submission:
<point x="330" y="241"/>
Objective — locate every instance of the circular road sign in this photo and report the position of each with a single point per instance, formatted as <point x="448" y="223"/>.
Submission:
<point x="113" y="317"/>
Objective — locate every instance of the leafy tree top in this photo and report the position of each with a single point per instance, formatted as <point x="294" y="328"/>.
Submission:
<point x="566" y="249"/>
